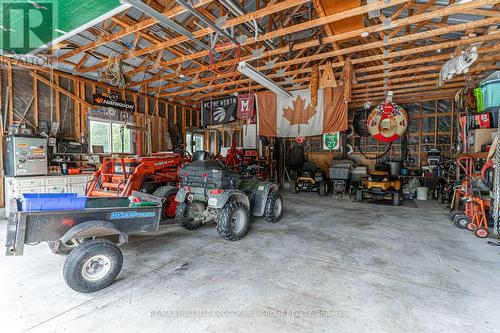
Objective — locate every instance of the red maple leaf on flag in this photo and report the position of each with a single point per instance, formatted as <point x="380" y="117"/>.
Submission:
<point x="300" y="114"/>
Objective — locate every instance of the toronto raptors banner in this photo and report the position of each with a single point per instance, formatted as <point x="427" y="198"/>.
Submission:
<point x="246" y="107"/>
<point x="219" y="111"/>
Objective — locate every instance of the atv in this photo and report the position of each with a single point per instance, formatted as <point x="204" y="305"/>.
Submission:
<point x="310" y="180"/>
<point x="378" y="186"/>
<point x="211" y="192"/>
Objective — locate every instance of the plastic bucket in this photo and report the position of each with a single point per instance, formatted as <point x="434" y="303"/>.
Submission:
<point x="422" y="192"/>
<point x="395" y="167"/>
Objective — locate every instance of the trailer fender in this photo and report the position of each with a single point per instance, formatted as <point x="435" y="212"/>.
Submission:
<point x="259" y="197"/>
<point x="92" y="229"/>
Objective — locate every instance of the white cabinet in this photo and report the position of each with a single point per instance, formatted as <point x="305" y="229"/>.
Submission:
<point x="77" y="188"/>
<point x="16" y="186"/>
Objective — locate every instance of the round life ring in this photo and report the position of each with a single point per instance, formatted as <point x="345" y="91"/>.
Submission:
<point x="387" y="122"/>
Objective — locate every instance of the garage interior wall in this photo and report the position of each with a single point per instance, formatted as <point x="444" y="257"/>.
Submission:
<point x="71" y="99"/>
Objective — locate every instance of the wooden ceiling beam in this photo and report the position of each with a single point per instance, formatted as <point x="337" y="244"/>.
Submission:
<point x="294" y="29"/>
<point x="381" y="27"/>
<point x="399" y="53"/>
<point x="170" y="13"/>
<point x="203" y="32"/>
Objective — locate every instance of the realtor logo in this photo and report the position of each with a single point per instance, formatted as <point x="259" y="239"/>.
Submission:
<point x="27" y="25"/>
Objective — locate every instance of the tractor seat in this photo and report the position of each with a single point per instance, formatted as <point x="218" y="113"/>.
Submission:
<point x="200" y="155"/>
<point x="309" y="169"/>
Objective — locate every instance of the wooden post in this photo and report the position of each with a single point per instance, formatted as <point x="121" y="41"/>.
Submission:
<point x="452" y="124"/>
<point x="35" y="102"/>
<point x="83" y="110"/>
<point x="58" y="99"/>
<point x="76" y="111"/>
<point x="11" y="95"/>
<point x="420" y="137"/>
<point x="183" y="124"/>
<point x="435" y="123"/>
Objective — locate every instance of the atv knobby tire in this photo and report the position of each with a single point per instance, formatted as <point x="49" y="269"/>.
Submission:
<point x="184" y="211"/>
<point x="233" y="221"/>
<point x="274" y="207"/>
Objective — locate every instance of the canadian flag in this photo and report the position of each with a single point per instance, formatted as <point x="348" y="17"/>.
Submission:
<point x="295" y="116"/>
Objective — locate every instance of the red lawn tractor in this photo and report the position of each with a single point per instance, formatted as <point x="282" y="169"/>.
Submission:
<point x="157" y="174"/>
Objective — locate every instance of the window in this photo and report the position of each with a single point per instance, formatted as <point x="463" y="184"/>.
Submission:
<point x="108" y="134"/>
<point x="198" y="142"/>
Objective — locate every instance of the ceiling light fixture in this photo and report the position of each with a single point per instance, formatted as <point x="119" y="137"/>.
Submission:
<point x="247" y="70"/>
<point x="365" y="34"/>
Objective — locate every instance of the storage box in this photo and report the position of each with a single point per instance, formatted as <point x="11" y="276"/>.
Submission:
<point x="491" y="91"/>
<point x="209" y="174"/>
<point x="339" y="173"/>
<point x="478" y="138"/>
<point x="52" y="201"/>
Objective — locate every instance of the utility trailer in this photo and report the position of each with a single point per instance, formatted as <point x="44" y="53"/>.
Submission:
<point x="94" y="261"/>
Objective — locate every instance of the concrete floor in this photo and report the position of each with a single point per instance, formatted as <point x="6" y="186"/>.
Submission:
<point x="330" y="265"/>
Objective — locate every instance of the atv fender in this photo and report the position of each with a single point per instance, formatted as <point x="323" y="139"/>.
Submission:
<point x="258" y="198"/>
<point x="181" y="195"/>
<point x="220" y="200"/>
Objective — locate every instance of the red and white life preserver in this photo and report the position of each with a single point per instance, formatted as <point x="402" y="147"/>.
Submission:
<point x="387" y="122"/>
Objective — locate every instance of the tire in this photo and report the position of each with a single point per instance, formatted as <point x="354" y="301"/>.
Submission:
<point x="293" y="186"/>
<point x="169" y="205"/>
<point x="471" y="226"/>
<point x="359" y="195"/>
<point x="395" y="199"/>
<point x="92" y="266"/>
<point x="481" y="232"/>
<point x="187" y="210"/>
<point x="226" y="226"/>
<point x="322" y="189"/>
<point x="58" y="247"/>
<point x="454" y="212"/>
<point x="274" y="207"/>
<point x="461" y="221"/>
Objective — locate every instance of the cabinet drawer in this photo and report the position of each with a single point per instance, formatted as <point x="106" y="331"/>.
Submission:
<point x="77" y="180"/>
<point x="56" y="188"/>
<point x="21" y="182"/>
<point x="21" y="190"/>
<point x="55" y="181"/>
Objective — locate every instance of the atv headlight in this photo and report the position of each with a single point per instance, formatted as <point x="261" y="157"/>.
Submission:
<point x="370" y="178"/>
<point x="385" y="179"/>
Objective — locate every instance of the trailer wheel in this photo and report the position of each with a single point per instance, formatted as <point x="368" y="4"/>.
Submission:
<point x="274" y="207"/>
<point x="169" y="204"/>
<point x="92" y="266"/>
<point x="58" y="247"/>
<point x="233" y="221"/>
<point x="193" y="212"/>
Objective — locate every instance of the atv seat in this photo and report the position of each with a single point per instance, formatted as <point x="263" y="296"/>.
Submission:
<point x="200" y="155"/>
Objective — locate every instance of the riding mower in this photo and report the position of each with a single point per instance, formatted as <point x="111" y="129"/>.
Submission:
<point x="379" y="186"/>
<point x="210" y="191"/>
<point x="310" y="180"/>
